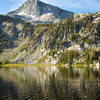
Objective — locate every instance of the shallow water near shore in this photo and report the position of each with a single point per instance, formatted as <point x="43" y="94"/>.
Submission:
<point x="49" y="83"/>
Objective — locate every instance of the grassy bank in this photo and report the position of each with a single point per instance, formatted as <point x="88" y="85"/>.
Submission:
<point x="78" y="65"/>
<point x="23" y="65"/>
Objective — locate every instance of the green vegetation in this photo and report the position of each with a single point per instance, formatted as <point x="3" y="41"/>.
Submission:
<point x="13" y="65"/>
<point x="25" y="65"/>
<point x="80" y="65"/>
<point x="92" y="55"/>
<point x="68" y="56"/>
<point x="5" y="41"/>
<point x="56" y="39"/>
<point x="42" y="59"/>
<point x="27" y="27"/>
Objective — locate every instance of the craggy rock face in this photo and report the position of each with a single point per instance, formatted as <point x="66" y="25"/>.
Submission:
<point x="34" y="10"/>
<point x="75" y="40"/>
<point x="11" y="29"/>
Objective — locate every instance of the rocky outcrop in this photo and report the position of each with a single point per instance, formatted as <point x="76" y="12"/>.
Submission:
<point x="75" y="40"/>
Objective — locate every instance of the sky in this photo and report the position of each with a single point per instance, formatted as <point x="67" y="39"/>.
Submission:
<point x="76" y="6"/>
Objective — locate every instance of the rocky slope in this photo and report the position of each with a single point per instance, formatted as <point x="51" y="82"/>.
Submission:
<point x="35" y="10"/>
<point x="74" y="40"/>
<point x="13" y="32"/>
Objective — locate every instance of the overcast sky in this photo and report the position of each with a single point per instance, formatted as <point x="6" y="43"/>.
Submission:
<point x="77" y="6"/>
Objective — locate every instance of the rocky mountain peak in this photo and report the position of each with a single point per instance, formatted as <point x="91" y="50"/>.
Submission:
<point x="35" y="10"/>
<point x="34" y="2"/>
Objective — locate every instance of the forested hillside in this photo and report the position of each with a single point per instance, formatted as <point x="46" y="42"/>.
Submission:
<point x="75" y="40"/>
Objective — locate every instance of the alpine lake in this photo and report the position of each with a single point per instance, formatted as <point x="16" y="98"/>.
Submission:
<point x="49" y="83"/>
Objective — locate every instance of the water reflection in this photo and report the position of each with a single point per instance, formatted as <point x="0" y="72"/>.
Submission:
<point x="49" y="83"/>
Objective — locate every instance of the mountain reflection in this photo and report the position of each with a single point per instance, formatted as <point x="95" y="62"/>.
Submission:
<point x="49" y="83"/>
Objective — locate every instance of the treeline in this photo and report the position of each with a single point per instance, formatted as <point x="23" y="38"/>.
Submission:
<point x="5" y="41"/>
<point x="62" y="35"/>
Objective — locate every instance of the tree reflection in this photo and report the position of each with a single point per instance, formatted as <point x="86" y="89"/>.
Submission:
<point x="55" y="83"/>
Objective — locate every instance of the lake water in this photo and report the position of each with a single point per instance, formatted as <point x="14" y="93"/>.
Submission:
<point x="49" y="83"/>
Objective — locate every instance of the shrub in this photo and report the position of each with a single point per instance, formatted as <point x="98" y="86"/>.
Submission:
<point x="68" y="56"/>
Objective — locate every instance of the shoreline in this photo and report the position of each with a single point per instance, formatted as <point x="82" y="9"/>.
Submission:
<point x="78" y="65"/>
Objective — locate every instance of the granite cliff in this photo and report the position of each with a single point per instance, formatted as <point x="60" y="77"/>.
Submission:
<point x="75" y="40"/>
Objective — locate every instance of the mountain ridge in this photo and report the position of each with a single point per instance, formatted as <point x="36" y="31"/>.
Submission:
<point x="35" y="10"/>
<point x="75" y="40"/>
